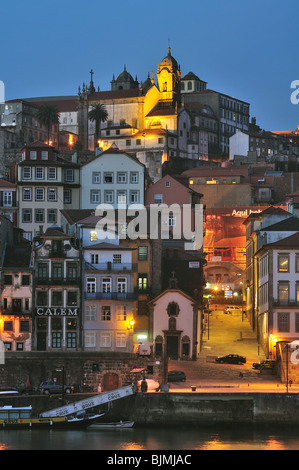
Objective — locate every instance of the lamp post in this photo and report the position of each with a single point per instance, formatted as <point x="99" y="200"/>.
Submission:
<point x="131" y="329"/>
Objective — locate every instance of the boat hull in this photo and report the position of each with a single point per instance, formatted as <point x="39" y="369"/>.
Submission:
<point x="47" y="423"/>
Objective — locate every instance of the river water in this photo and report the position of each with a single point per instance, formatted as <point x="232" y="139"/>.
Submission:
<point x="151" y="439"/>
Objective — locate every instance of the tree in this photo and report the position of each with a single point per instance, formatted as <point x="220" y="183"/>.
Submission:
<point x="98" y="114"/>
<point x="48" y="115"/>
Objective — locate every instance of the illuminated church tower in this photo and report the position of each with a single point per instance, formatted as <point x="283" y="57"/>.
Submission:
<point x="168" y="76"/>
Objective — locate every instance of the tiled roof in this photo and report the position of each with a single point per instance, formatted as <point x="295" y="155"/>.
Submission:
<point x="290" y="224"/>
<point x="288" y="242"/>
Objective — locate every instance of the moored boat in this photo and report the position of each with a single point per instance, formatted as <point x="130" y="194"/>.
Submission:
<point x="117" y="425"/>
<point x="21" y="418"/>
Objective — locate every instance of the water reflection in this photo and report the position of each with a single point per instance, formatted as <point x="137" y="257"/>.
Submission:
<point x="141" y="439"/>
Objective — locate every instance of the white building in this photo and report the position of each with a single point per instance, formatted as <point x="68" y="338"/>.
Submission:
<point x="175" y="325"/>
<point x="109" y="298"/>
<point x="113" y="178"/>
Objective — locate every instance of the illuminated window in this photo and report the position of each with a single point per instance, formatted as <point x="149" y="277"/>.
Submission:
<point x="121" y="313"/>
<point x="283" y="293"/>
<point x="283" y="263"/>
<point x="106" y="313"/>
<point x="93" y="236"/>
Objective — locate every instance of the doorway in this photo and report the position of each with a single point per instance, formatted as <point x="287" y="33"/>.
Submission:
<point x="172" y="347"/>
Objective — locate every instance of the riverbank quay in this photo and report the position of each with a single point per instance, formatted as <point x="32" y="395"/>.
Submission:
<point x="188" y="408"/>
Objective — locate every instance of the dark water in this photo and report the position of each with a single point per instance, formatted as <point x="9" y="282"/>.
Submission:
<point x="143" y="439"/>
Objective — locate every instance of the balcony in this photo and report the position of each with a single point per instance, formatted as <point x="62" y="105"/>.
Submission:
<point x="109" y="266"/>
<point x="57" y="282"/>
<point x="110" y="296"/>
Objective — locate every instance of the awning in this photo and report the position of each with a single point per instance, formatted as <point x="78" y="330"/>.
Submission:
<point x="136" y="370"/>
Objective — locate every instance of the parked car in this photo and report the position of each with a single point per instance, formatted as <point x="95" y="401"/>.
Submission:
<point x="265" y="364"/>
<point x="176" y="376"/>
<point x="51" y="386"/>
<point x="232" y="308"/>
<point x="231" y="359"/>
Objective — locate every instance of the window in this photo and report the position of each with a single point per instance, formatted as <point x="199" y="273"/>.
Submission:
<point x="8" y="279"/>
<point x="283" y="322"/>
<point x="128" y="142"/>
<point x="90" y="339"/>
<point x="69" y="176"/>
<point x="7" y="198"/>
<point x="121" y="285"/>
<point x="52" y="194"/>
<point x="71" y="339"/>
<point x="93" y="236"/>
<point x="96" y="177"/>
<point x="24" y="325"/>
<point x="283" y="263"/>
<point x="121" y="197"/>
<point x="95" y="197"/>
<point x="172" y="221"/>
<point x="42" y="271"/>
<point x="42" y="298"/>
<point x="91" y="284"/>
<point x="108" y="177"/>
<point x="39" y="173"/>
<point x="134" y="177"/>
<point x="52" y="215"/>
<point x="56" y="339"/>
<point x="52" y="173"/>
<point x="121" y="340"/>
<point x="142" y="253"/>
<point x="121" y="313"/>
<point x="8" y="325"/>
<point x="27" y="194"/>
<point x="27" y="215"/>
<point x="27" y="173"/>
<point x="122" y="177"/>
<point x="116" y="259"/>
<point x="39" y="194"/>
<point x="108" y="197"/>
<point x="142" y="282"/>
<point x="44" y="154"/>
<point x="67" y="196"/>
<point x="72" y="298"/>
<point x="39" y="216"/>
<point x="25" y="280"/>
<point x="33" y="155"/>
<point x="138" y="141"/>
<point x="94" y="259"/>
<point x="106" y="313"/>
<point x="90" y="313"/>
<point x="158" y="198"/>
<point x="283" y="293"/>
<point x="56" y="298"/>
<point x="105" y="339"/>
<point x="106" y="285"/>
<point x="167" y="184"/>
<point x="57" y="271"/>
<point x="134" y="197"/>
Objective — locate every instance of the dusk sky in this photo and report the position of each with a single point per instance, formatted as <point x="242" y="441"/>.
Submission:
<point x="248" y="50"/>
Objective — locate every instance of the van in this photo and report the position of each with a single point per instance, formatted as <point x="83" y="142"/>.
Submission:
<point x="142" y="349"/>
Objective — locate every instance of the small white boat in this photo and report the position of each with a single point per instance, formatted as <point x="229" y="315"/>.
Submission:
<point x="118" y="425"/>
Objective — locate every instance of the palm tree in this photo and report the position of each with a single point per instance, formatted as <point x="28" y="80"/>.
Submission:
<point x="99" y="114"/>
<point x="48" y="115"/>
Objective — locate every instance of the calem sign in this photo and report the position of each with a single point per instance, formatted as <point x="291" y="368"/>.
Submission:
<point x="55" y="311"/>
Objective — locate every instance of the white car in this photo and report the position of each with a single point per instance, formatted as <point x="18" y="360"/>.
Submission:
<point x="232" y="308"/>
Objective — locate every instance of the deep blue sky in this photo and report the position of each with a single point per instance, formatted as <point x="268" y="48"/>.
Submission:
<point x="246" y="49"/>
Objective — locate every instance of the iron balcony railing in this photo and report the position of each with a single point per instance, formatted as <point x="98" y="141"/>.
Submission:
<point x="110" y="296"/>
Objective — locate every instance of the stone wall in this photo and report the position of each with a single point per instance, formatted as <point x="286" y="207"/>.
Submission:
<point x="88" y="368"/>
